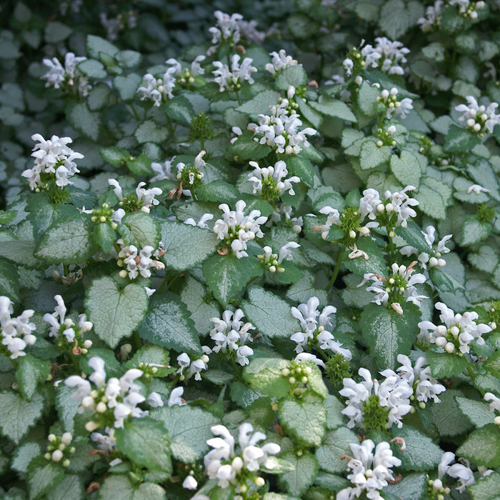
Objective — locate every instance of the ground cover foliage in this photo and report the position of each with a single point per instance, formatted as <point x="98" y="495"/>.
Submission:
<point x="250" y="250"/>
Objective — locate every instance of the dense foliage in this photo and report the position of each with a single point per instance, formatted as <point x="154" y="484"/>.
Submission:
<point x="250" y="250"/>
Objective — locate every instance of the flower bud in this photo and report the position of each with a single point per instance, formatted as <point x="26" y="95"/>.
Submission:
<point x="101" y="407"/>
<point x="91" y="426"/>
<point x="51" y="438"/>
<point x="449" y="348"/>
<point x="437" y="484"/>
<point x="259" y="481"/>
<point x="57" y="455"/>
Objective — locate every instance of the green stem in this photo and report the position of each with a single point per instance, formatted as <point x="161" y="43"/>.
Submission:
<point x="392" y="257"/>
<point x="76" y="362"/>
<point x="137" y="117"/>
<point x="470" y="371"/>
<point x="167" y="284"/>
<point x="171" y="128"/>
<point x="202" y="143"/>
<point x="237" y="97"/>
<point x="136" y="338"/>
<point x="337" y="267"/>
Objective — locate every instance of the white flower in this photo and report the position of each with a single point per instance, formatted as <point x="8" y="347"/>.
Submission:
<point x="280" y="61"/>
<point x="393" y="393"/>
<point x="392" y="55"/>
<point x="433" y="16"/>
<point x="105" y="443"/>
<point x="155" y="401"/>
<point x="121" y="395"/>
<point x="158" y="90"/>
<point x="248" y="31"/>
<point x="477" y="189"/>
<point x="249" y="459"/>
<point x="195" y="366"/>
<point x="16" y="332"/>
<point x="69" y="76"/>
<point x="478" y="118"/>
<point x="457" y="331"/>
<point x="163" y="171"/>
<point x="186" y="75"/>
<point x="232" y="78"/>
<point x="144" y="198"/>
<point x="190" y="483"/>
<point x="237" y="229"/>
<point x="369" y="473"/>
<point x="271" y="181"/>
<point x="52" y="157"/>
<point x="201" y="223"/>
<point x="459" y="471"/>
<point x="137" y="261"/>
<point x="425" y="385"/>
<point x="431" y="258"/>
<point x="175" y="397"/>
<point x="280" y="130"/>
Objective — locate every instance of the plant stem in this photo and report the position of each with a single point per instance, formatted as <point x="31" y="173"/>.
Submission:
<point x="337" y="267"/>
<point x="470" y="371"/>
<point x="136" y="338"/>
<point x="136" y="114"/>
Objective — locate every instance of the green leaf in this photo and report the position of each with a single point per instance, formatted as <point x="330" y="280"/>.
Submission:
<point x="433" y="197"/>
<point x="100" y="97"/>
<point x="474" y="231"/>
<point x="139" y="229"/>
<point x="72" y="486"/>
<point x="492" y="364"/>
<point x="115" y="313"/>
<point x="180" y="109"/>
<point x="146" y="443"/>
<point x="482" y="172"/>
<point x="460" y="140"/>
<point x="83" y="120"/>
<point x="150" y="354"/>
<point x="336" y="444"/>
<point x="9" y="280"/>
<point x="119" y="486"/>
<point x="67" y="241"/>
<point x="128" y="58"/>
<point x="308" y="113"/>
<point x="66" y="407"/>
<point x="150" y="131"/>
<point x="486" y="489"/>
<point x="92" y="69"/>
<point x="260" y="103"/>
<point x="421" y="453"/>
<point x="168" y="324"/>
<point x="227" y="275"/>
<point x="413" y="236"/>
<point x="271" y="315"/>
<point x="218" y="191"/>
<point x="407" y="168"/>
<point x="334" y="417"/>
<point x="447" y="416"/>
<point x="114" y="155"/>
<point x="55" y="32"/>
<point x="445" y="365"/>
<point x="30" y="373"/>
<point x="412" y="487"/>
<point x="248" y="148"/>
<point x="397" y="17"/>
<point x="296" y="165"/>
<point x="372" y="156"/>
<point x="186" y="246"/>
<point x="188" y="428"/>
<point x="451" y="20"/>
<point x="294" y="76"/>
<point x="333" y="107"/>
<point x="140" y="165"/>
<point x="42" y="476"/>
<point x="483" y="446"/>
<point x="375" y="264"/>
<point x="97" y="45"/>
<point x="485" y="259"/>
<point x="367" y="100"/>
<point x="264" y="374"/>
<point x="476" y="411"/>
<point x="127" y="86"/>
<point x="104" y="236"/>
<point x="24" y="455"/>
<point x="305" y="469"/>
<point x="443" y="281"/>
<point x="389" y="333"/>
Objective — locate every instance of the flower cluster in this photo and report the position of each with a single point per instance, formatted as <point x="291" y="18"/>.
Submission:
<point x="67" y="333"/>
<point x="280" y="129"/>
<point x="468" y="8"/>
<point x="54" y="162"/>
<point x="391" y="213"/>
<point x="280" y="61"/>
<point x="159" y="90"/>
<point x="238" y="470"/>
<point x="398" y="287"/>
<point x="194" y="366"/>
<point x="189" y="176"/>
<point x="232" y="79"/>
<point x="393" y="106"/>
<point x="392" y="55"/>
<point x="283" y="213"/>
<point x="271" y="182"/>
<point x="456" y="334"/>
<point x="425" y="386"/>
<point x="67" y="77"/>
<point x="226" y="30"/>
<point x="142" y="200"/>
<point x="230" y="335"/>
<point x="433" y="257"/>
<point x="314" y="329"/>
<point x="137" y="261"/>
<point x="357" y="60"/>
<point x="113" y="25"/>
<point x="478" y="119"/>
<point x="376" y="405"/>
<point x="236" y="229"/>
<point x="16" y="332"/>
<point x="112" y="402"/>
<point x="186" y="76"/>
<point x="432" y="18"/>
<point x="58" y="450"/>
<point x="369" y="472"/>
<point x="460" y="471"/>
<point x="273" y="261"/>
